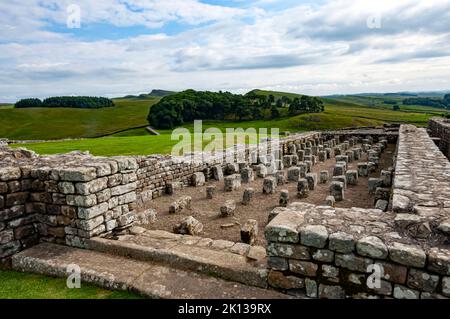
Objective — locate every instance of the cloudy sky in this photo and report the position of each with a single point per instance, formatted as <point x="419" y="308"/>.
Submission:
<point x="132" y="46"/>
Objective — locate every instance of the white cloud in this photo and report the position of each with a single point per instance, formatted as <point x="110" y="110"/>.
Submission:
<point x="320" y="49"/>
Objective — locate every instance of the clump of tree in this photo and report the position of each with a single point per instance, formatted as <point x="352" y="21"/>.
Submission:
<point x="80" y="102"/>
<point x="28" y="103"/>
<point x="190" y="105"/>
<point x="306" y="104"/>
<point x="427" y="101"/>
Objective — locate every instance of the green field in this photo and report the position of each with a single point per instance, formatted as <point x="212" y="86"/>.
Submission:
<point x="17" y="285"/>
<point x="45" y="123"/>
<point x="122" y="129"/>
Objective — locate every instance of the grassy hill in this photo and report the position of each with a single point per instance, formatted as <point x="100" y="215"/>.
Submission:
<point x="46" y="123"/>
<point x="125" y="123"/>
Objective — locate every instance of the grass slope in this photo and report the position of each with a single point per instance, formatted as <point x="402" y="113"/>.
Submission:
<point x="137" y="142"/>
<point x="45" y="123"/>
<point x="340" y="112"/>
<point x="17" y="285"/>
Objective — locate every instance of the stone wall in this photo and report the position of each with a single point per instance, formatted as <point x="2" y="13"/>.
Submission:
<point x="68" y="198"/>
<point x="421" y="184"/>
<point x="62" y="199"/>
<point x="156" y="172"/>
<point x="440" y="128"/>
<point x="327" y="252"/>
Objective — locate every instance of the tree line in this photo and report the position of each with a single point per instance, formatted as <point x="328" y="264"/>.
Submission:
<point x="427" y="101"/>
<point x="80" y="102"/>
<point x="190" y="105"/>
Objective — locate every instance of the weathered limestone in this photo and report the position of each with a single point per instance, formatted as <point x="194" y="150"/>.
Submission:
<point x="261" y="171"/>
<point x="217" y="173"/>
<point x="210" y="192"/>
<point x="284" y="198"/>
<point x="337" y="190"/>
<point x="232" y="182"/>
<point x="339" y="170"/>
<point x="228" y="209"/>
<point x="247" y="175"/>
<point x="182" y="203"/>
<point x="281" y="178"/>
<point x="330" y="201"/>
<point x="188" y="226"/>
<point x="248" y="195"/>
<point x="342" y="179"/>
<point x="312" y="180"/>
<point x="293" y="174"/>
<point x="363" y="169"/>
<point x="249" y="232"/>
<point x="302" y="188"/>
<point x="146" y="217"/>
<point x="324" y="176"/>
<point x="198" y="179"/>
<point x="351" y="177"/>
<point x="374" y="183"/>
<point x="269" y="185"/>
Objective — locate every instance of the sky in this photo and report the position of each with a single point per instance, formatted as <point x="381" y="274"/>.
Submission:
<point x="119" y="47"/>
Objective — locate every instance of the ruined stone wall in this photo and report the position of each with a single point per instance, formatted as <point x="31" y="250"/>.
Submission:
<point x="68" y="198"/>
<point x="156" y="172"/>
<point x="62" y="199"/>
<point x="328" y="252"/>
<point x="440" y="128"/>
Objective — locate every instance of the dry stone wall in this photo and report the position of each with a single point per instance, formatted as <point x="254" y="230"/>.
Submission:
<point x="440" y="128"/>
<point x="62" y="199"/>
<point x="327" y="252"/>
<point x="66" y="199"/>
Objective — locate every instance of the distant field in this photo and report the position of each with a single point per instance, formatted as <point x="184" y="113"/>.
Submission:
<point x="131" y="113"/>
<point x="45" y="123"/>
<point x="137" y="142"/>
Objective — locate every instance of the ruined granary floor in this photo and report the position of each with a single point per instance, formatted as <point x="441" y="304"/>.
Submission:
<point x="207" y="210"/>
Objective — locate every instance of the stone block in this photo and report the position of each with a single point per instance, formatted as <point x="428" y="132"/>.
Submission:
<point x="304" y="268"/>
<point x="352" y="177"/>
<point x="324" y="176"/>
<point x="247" y="175"/>
<point x="314" y="236"/>
<point x="407" y="255"/>
<point x="248" y="195"/>
<point x="284" y="198"/>
<point x="401" y="292"/>
<point x="249" y="232"/>
<point x="269" y="185"/>
<point x="188" y="226"/>
<point x="281" y="178"/>
<point x="374" y="183"/>
<point x="330" y="201"/>
<point x="338" y="170"/>
<point x="198" y="179"/>
<point x="382" y="205"/>
<point x="211" y="191"/>
<point x="217" y="172"/>
<point x="277" y="279"/>
<point x="337" y="190"/>
<point x="228" y="209"/>
<point x="302" y="188"/>
<point x="423" y="281"/>
<point x="232" y="182"/>
<point x="312" y="180"/>
<point x="372" y="246"/>
<point x="331" y="292"/>
<point x="363" y="169"/>
<point x="293" y="174"/>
